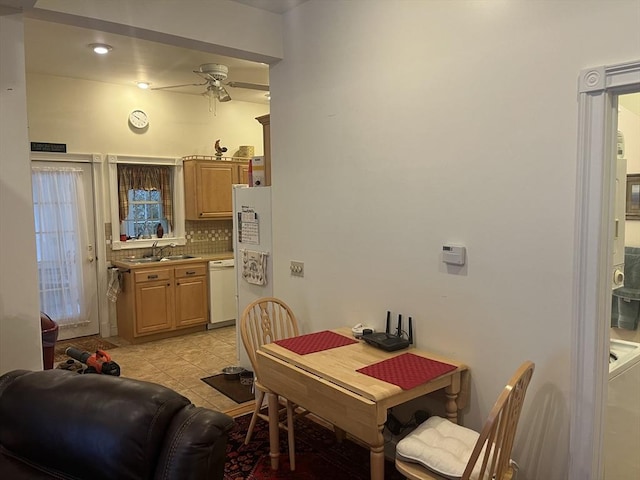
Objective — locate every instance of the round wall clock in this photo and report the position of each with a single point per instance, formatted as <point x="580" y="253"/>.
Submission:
<point x="138" y="119"/>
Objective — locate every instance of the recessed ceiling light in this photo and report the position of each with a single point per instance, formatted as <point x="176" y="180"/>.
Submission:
<point x="101" y="48"/>
<point x="143" y="85"/>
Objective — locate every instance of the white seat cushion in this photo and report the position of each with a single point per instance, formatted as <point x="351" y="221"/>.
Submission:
<point x="440" y="446"/>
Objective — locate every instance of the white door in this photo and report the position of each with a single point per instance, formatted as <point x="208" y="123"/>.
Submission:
<point x="65" y="243"/>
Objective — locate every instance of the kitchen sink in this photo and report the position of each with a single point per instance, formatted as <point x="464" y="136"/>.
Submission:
<point x="144" y="260"/>
<point x="179" y="257"/>
<point x="160" y="259"/>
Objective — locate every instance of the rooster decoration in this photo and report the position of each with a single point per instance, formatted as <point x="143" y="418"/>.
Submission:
<point x="219" y="150"/>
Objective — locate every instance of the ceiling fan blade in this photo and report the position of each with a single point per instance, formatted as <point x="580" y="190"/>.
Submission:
<point x="183" y="85"/>
<point x="250" y="86"/>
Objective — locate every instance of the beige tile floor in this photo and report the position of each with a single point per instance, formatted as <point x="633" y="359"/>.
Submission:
<point x="180" y="362"/>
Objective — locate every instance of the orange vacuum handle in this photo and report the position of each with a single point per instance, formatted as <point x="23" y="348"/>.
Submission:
<point x="102" y="356"/>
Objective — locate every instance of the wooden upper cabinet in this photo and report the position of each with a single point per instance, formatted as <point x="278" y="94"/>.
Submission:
<point x="207" y="187"/>
<point x="213" y="183"/>
<point x="265" y="121"/>
<point x="243" y="173"/>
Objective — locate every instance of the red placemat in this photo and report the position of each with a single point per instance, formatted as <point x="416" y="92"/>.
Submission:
<point x="407" y="370"/>
<point x="315" y="342"/>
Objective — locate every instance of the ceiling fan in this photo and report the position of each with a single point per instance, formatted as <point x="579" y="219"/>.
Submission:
<point x="214" y="74"/>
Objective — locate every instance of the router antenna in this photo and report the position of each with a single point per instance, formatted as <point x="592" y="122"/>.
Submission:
<point x="410" y="332"/>
<point x="399" y="330"/>
<point x="388" y="321"/>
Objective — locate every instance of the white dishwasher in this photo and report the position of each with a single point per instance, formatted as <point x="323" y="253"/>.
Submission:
<point x="222" y="293"/>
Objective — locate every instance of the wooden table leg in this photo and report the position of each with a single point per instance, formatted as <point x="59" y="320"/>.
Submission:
<point x="290" y="436"/>
<point x="376" y="457"/>
<point x="274" y="432"/>
<point x="451" y="393"/>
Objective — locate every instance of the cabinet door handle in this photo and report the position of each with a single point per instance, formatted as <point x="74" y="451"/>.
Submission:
<point x="190" y="273"/>
<point x="168" y="284"/>
<point x="151" y="277"/>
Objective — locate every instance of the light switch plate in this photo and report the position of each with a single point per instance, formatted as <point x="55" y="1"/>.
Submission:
<point x="297" y="269"/>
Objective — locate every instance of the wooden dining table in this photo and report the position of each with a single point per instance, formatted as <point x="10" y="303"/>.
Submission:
<point x="327" y="384"/>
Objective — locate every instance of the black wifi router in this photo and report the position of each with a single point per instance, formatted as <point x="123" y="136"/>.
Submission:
<point x="389" y="341"/>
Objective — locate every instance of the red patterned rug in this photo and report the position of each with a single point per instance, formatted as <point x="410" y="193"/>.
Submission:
<point x="88" y="344"/>
<point x="318" y="455"/>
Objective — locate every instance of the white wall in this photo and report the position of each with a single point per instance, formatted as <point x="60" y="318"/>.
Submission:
<point x="91" y="117"/>
<point x="400" y="126"/>
<point x="20" y="337"/>
<point x="218" y="26"/>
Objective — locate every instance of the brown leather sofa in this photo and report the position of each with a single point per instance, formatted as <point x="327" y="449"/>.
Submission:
<point x="57" y="424"/>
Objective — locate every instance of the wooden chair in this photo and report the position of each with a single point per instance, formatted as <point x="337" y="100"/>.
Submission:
<point x="264" y="321"/>
<point x="491" y="455"/>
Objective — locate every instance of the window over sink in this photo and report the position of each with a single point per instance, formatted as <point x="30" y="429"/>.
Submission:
<point x="144" y="199"/>
<point x="144" y="214"/>
<point x="145" y="191"/>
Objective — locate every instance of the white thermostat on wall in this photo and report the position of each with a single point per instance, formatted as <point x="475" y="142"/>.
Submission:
<point x="454" y="254"/>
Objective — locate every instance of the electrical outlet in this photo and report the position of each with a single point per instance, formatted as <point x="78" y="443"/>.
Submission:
<point x="297" y="269"/>
<point x="199" y="237"/>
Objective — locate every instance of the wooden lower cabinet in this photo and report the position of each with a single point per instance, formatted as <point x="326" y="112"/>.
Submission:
<point x="158" y="302"/>
<point x="154" y="307"/>
<point x="191" y="288"/>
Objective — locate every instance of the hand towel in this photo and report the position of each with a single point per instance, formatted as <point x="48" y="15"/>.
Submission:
<point x="254" y="267"/>
<point x="114" y="284"/>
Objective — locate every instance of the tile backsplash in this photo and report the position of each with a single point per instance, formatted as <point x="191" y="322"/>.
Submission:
<point x="203" y="237"/>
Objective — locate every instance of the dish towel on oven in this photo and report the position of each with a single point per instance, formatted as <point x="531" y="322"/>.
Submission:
<point x="254" y="267"/>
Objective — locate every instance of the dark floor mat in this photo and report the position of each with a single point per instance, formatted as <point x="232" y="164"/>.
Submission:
<point x="231" y="388"/>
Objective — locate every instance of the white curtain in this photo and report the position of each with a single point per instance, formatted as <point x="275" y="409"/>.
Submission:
<point x="61" y="237"/>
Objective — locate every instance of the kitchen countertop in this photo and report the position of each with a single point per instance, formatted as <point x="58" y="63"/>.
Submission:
<point x="216" y="256"/>
<point x="198" y="258"/>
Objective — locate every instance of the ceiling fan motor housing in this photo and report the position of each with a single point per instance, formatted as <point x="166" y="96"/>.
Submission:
<point x="214" y="70"/>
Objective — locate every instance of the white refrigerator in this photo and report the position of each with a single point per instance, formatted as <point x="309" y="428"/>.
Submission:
<point x="252" y="249"/>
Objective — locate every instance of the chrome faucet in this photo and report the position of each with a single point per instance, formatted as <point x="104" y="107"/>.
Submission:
<point x="171" y="245"/>
<point x="157" y="252"/>
<point x="153" y="249"/>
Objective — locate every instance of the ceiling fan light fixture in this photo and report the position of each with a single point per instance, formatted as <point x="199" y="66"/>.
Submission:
<point x="100" y="48"/>
<point x="223" y="95"/>
<point x="216" y="92"/>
